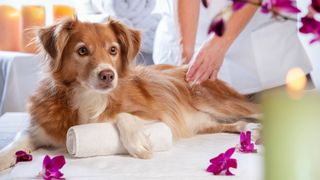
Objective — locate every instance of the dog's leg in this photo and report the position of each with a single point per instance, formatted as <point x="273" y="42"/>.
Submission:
<point x="28" y="140"/>
<point x="21" y="142"/>
<point x="235" y="127"/>
<point x="132" y="136"/>
<point x="220" y="127"/>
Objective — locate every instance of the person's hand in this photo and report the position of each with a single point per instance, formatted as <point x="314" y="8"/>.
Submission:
<point x="206" y="63"/>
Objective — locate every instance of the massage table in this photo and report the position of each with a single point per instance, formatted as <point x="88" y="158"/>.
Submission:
<point x="187" y="159"/>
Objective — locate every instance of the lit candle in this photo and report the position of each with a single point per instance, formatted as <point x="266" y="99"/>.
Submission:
<point x="10" y="36"/>
<point x="32" y="16"/>
<point x="60" y="11"/>
<point x="291" y="131"/>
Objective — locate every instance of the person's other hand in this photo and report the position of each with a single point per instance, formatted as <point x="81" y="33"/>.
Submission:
<point x="206" y="63"/>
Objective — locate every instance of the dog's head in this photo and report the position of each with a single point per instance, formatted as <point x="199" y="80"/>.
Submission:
<point x="90" y="54"/>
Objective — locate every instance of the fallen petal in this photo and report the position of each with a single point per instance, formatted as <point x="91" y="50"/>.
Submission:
<point x="23" y="156"/>
<point x="228" y="173"/>
<point x="58" y="162"/>
<point x="232" y="163"/>
<point x="229" y="152"/>
<point x="220" y="157"/>
<point x="237" y="4"/>
<point x="51" y="167"/>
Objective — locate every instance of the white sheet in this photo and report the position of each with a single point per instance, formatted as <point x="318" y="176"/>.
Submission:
<point x="18" y="78"/>
<point x="187" y="159"/>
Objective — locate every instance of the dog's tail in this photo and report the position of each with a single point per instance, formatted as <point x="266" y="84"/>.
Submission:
<point x="22" y="142"/>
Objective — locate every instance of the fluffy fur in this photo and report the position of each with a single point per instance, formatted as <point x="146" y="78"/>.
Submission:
<point x="73" y="92"/>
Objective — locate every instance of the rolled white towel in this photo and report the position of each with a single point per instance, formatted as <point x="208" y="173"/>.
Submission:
<point x="100" y="139"/>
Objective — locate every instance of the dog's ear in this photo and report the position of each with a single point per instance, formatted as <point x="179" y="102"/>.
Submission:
<point x="53" y="40"/>
<point x="129" y="40"/>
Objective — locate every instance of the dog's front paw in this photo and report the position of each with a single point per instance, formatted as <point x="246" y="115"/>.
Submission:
<point x="7" y="160"/>
<point x="138" y="145"/>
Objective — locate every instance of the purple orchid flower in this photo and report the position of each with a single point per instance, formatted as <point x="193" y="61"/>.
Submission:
<point x="310" y="26"/>
<point x="265" y="8"/>
<point x="205" y="3"/>
<point x="245" y="143"/>
<point x="238" y="4"/>
<point x="23" y="156"/>
<point x="316" y="5"/>
<point x="286" y="6"/>
<point x="51" y="167"/>
<point x="222" y="163"/>
<point x="217" y="26"/>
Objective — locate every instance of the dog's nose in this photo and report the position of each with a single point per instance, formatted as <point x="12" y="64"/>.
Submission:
<point x="106" y="75"/>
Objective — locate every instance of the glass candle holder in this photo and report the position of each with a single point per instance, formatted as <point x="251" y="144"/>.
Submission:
<point x="291" y="136"/>
<point x="10" y="31"/>
<point x="60" y="11"/>
<point x="33" y="16"/>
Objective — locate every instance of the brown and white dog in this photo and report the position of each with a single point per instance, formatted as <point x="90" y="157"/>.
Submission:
<point x="89" y="78"/>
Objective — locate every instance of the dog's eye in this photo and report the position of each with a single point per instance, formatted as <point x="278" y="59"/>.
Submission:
<point x="113" y="50"/>
<point x="83" y="51"/>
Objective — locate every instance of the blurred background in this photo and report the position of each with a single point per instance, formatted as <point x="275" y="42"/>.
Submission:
<point x="18" y="18"/>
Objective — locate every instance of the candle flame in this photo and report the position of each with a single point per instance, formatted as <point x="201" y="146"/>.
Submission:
<point x="296" y="82"/>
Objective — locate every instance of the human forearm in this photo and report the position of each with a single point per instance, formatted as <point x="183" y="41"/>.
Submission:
<point x="210" y="57"/>
<point x="188" y="14"/>
<point x="234" y="26"/>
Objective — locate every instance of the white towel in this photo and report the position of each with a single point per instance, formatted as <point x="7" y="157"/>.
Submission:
<point x="101" y="139"/>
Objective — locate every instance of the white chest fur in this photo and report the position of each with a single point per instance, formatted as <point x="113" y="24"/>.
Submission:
<point x="89" y="103"/>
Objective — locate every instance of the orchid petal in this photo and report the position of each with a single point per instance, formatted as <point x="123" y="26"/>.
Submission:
<point x="205" y="3"/>
<point x="222" y="163"/>
<point x="245" y="143"/>
<point x="220" y="157"/>
<point x="217" y="170"/>
<point x="316" y="5"/>
<point x="228" y="173"/>
<point x="315" y="40"/>
<point x="46" y="160"/>
<point x="242" y="136"/>
<point x="217" y="26"/>
<point x="287" y="8"/>
<point x="58" y="161"/>
<point x="309" y="25"/>
<point x="232" y="163"/>
<point x="56" y="174"/>
<point x="229" y="152"/>
<point x="211" y="167"/>
<point x="265" y="8"/>
<point x="23" y="156"/>
<point x="237" y="5"/>
<point x="20" y="153"/>
<point x="51" y="167"/>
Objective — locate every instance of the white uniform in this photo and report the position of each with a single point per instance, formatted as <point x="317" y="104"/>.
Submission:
<point x="258" y="59"/>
